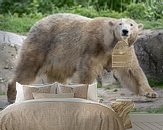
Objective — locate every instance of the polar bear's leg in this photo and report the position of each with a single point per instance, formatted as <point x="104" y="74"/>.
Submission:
<point x="143" y="85"/>
<point x="29" y="63"/>
<point x="135" y="79"/>
<point x="141" y="79"/>
<point x="86" y="71"/>
<point x="85" y="76"/>
<point x="126" y="79"/>
<point x="26" y="77"/>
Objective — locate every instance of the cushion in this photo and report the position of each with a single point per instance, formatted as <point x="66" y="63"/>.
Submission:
<point x="92" y="91"/>
<point x="24" y="92"/>
<point x="79" y="90"/>
<point x="50" y="95"/>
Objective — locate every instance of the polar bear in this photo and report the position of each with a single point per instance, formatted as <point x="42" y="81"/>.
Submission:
<point x="63" y="45"/>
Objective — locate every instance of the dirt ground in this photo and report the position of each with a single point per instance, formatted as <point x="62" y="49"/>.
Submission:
<point x="109" y="95"/>
<point x="141" y="102"/>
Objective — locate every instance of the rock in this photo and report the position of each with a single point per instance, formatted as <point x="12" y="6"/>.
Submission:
<point x="115" y="90"/>
<point x="6" y="67"/>
<point x="149" y="50"/>
<point x="2" y="80"/>
<point x="9" y="46"/>
<point x="11" y="38"/>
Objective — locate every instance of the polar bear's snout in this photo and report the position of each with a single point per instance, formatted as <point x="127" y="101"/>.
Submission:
<point x="125" y="32"/>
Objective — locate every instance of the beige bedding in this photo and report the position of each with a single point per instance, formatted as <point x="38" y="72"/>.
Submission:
<point x="59" y="114"/>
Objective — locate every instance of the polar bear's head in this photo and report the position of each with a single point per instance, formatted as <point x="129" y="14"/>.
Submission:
<point x="127" y="29"/>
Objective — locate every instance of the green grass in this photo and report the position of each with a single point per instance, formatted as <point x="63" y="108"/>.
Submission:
<point x="2" y="93"/>
<point x="152" y="24"/>
<point x="156" y="83"/>
<point x="23" y="24"/>
<point x="149" y="110"/>
<point x="16" y="24"/>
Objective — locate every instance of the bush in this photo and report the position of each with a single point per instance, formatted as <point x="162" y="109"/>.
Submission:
<point x="150" y="10"/>
<point x="136" y="11"/>
<point x="16" y="24"/>
<point x="88" y="12"/>
<point x="144" y="11"/>
<point x="111" y="13"/>
<point x="12" y="6"/>
<point x="158" y="10"/>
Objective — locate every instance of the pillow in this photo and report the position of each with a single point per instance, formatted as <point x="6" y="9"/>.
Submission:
<point x="50" y="95"/>
<point x="79" y="90"/>
<point x="19" y="94"/>
<point x="92" y="91"/>
<point x="24" y="92"/>
<point x="27" y="91"/>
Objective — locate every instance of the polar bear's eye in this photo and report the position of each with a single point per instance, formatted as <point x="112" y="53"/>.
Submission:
<point x="131" y="24"/>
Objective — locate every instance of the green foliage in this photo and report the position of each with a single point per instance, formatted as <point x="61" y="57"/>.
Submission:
<point x="153" y="24"/>
<point x="156" y="83"/>
<point x="157" y="8"/>
<point x="20" y="15"/>
<point x="111" y="13"/>
<point x="155" y="110"/>
<point x="99" y="85"/>
<point x="149" y="110"/>
<point x="2" y="93"/>
<point x="16" y="24"/>
<point x="89" y="12"/>
<point x="137" y="9"/>
<point x="27" y="6"/>
<point x="143" y="11"/>
<point x="13" y="23"/>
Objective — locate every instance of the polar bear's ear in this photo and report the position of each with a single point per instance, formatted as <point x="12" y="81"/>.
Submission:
<point x="140" y="26"/>
<point x="111" y="23"/>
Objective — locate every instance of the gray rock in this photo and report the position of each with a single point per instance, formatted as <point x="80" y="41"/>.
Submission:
<point x="11" y="38"/>
<point x="149" y="50"/>
<point x="9" y="46"/>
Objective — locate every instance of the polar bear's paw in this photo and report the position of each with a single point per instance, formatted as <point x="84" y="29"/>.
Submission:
<point x="151" y="94"/>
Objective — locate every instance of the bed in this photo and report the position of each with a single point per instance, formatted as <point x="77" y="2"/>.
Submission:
<point x="62" y="114"/>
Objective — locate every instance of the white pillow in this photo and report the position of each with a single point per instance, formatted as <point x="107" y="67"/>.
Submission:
<point x="92" y="92"/>
<point x="23" y="90"/>
<point x="20" y="94"/>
